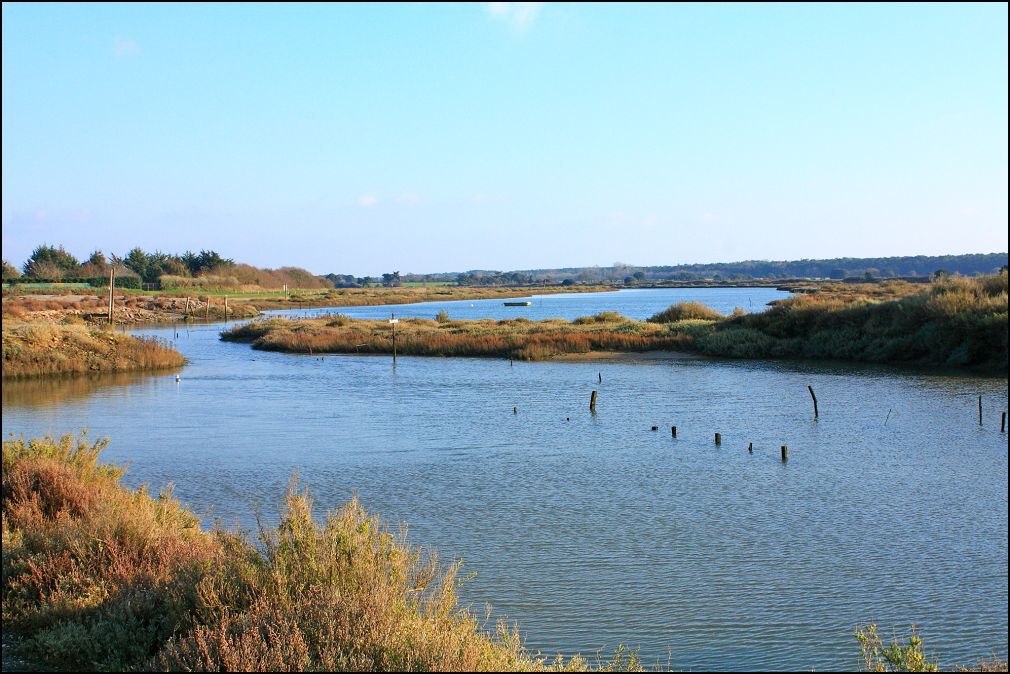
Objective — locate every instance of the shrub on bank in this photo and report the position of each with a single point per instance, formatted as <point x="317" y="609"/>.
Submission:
<point x="97" y="576"/>
<point x="686" y="311"/>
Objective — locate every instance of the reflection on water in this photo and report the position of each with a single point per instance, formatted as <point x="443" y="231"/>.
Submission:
<point x="52" y="391"/>
<point x="589" y="530"/>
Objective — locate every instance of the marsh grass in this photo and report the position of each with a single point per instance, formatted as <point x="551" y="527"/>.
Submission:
<point x="98" y="576"/>
<point x="41" y="349"/>
<point x="518" y="338"/>
<point x="956" y="321"/>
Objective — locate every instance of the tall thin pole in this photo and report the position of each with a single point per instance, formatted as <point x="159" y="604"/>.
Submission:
<point x="112" y="285"/>
<point x="392" y="319"/>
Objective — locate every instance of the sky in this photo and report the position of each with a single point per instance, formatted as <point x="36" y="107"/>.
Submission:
<point x="362" y="139"/>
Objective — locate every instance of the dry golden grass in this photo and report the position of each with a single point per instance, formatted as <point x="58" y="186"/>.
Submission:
<point x="39" y="349"/>
<point x="97" y="576"/>
<point x="519" y="338"/>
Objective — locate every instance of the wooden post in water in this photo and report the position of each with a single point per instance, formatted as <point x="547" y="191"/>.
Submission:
<point x="592" y="403"/>
<point x="1002" y="422"/>
<point x="112" y="285"/>
<point x="515" y="410"/>
<point x="393" y="322"/>
<point x="980" y="410"/>
<point x="207" y="314"/>
<point x="673" y="431"/>
<point x="186" y="315"/>
<point x="225" y="307"/>
<point x="811" y="389"/>
<point x="718" y="439"/>
<point x="600" y="375"/>
<point x="785" y="453"/>
<point x="750" y="447"/>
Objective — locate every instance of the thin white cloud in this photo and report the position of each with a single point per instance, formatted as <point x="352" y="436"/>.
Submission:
<point x="519" y="15"/>
<point x="123" y="47"/>
<point x="367" y="200"/>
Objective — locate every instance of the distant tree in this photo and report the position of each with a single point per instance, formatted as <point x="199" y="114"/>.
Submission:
<point x="10" y="271"/>
<point x="629" y="280"/>
<point x="391" y="280"/>
<point x="837" y="274"/>
<point x="136" y="261"/>
<point x="940" y="274"/>
<point x="47" y="260"/>
<point x="568" y="282"/>
<point x="97" y="258"/>
<point x="639" y="275"/>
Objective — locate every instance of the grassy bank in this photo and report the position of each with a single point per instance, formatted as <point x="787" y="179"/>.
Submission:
<point x="169" y="306"/>
<point x="517" y="338"/>
<point x="128" y="308"/>
<point x="958" y="322"/>
<point x="101" y="577"/>
<point x="955" y="322"/>
<point x="356" y="297"/>
<point x="40" y="349"/>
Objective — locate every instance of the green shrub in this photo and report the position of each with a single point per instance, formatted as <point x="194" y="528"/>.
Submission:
<point x="685" y="311"/>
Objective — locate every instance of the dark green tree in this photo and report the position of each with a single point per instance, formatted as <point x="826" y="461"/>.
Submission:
<point x="46" y="260"/>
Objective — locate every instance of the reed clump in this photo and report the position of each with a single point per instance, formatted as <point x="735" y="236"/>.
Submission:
<point x="686" y="311"/>
<point x="69" y="348"/>
<point x="98" y="576"/>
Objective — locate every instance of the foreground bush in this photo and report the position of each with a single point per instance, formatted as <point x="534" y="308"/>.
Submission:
<point x="96" y="576"/>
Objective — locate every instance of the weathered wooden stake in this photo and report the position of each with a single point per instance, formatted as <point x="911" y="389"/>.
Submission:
<point x="207" y="314"/>
<point x="750" y="447"/>
<point x="600" y="375"/>
<point x="785" y="453"/>
<point x="980" y="410"/>
<point x="811" y="389"/>
<point x="392" y="319"/>
<point x="186" y="314"/>
<point x="112" y="285"/>
<point x="718" y="439"/>
<point x="673" y="431"/>
<point x="515" y="410"/>
<point x="592" y="403"/>
<point x="225" y="307"/>
<point x="1002" y="422"/>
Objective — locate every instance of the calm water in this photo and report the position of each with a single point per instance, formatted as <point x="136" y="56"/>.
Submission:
<point x="633" y="303"/>
<point x="591" y="532"/>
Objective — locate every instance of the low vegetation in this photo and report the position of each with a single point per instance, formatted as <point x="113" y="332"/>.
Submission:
<point x="40" y="349"/>
<point x="96" y="576"/>
<point x="128" y="309"/>
<point x="906" y="655"/>
<point x="955" y="322"/>
<point x="959" y="322"/>
<point x="517" y="338"/>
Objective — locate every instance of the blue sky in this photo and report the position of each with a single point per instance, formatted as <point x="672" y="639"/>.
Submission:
<point x="363" y="139"/>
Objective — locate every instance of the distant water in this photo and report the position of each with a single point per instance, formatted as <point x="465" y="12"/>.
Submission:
<point x="596" y="531"/>
<point x="633" y="303"/>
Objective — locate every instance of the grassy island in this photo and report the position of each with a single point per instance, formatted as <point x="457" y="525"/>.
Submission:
<point x="955" y="322"/>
